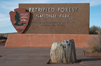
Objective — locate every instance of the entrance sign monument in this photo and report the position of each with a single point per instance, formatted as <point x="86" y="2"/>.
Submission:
<point x="39" y="25"/>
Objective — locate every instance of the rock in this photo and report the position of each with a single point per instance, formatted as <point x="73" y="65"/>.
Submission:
<point x="63" y="52"/>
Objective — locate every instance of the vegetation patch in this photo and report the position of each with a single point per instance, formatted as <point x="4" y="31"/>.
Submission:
<point x="94" y="30"/>
<point x="94" y="44"/>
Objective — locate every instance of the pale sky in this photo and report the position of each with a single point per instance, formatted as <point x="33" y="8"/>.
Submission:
<point x="9" y="5"/>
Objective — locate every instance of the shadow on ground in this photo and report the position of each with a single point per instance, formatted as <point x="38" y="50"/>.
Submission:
<point x="91" y="59"/>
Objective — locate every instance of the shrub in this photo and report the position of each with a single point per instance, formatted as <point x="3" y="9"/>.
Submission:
<point x="93" y="30"/>
<point x="94" y="44"/>
<point x="3" y="37"/>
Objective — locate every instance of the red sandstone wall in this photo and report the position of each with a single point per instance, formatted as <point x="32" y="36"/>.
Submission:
<point x="45" y="40"/>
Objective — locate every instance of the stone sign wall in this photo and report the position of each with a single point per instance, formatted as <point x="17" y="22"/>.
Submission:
<point x="57" y="18"/>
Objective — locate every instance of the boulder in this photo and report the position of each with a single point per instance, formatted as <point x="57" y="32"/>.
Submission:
<point x="63" y="52"/>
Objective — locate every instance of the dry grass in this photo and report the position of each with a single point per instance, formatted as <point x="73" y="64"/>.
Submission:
<point x="2" y="36"/>
<point x="94" y="44"/>
<point x="2" y="42"/>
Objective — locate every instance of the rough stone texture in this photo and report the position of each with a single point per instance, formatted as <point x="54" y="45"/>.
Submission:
<point x="63" y="52"/>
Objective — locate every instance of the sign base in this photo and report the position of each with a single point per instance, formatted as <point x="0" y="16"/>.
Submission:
<point x="45" y="40"/>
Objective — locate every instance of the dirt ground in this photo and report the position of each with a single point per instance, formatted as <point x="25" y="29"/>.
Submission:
<point x="31" y="56"/>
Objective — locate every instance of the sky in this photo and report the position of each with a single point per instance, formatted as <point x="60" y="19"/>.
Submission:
<point x="9" y="5"/>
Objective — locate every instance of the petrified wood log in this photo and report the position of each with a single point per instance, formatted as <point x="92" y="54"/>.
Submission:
<point x="63" y="52"/>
